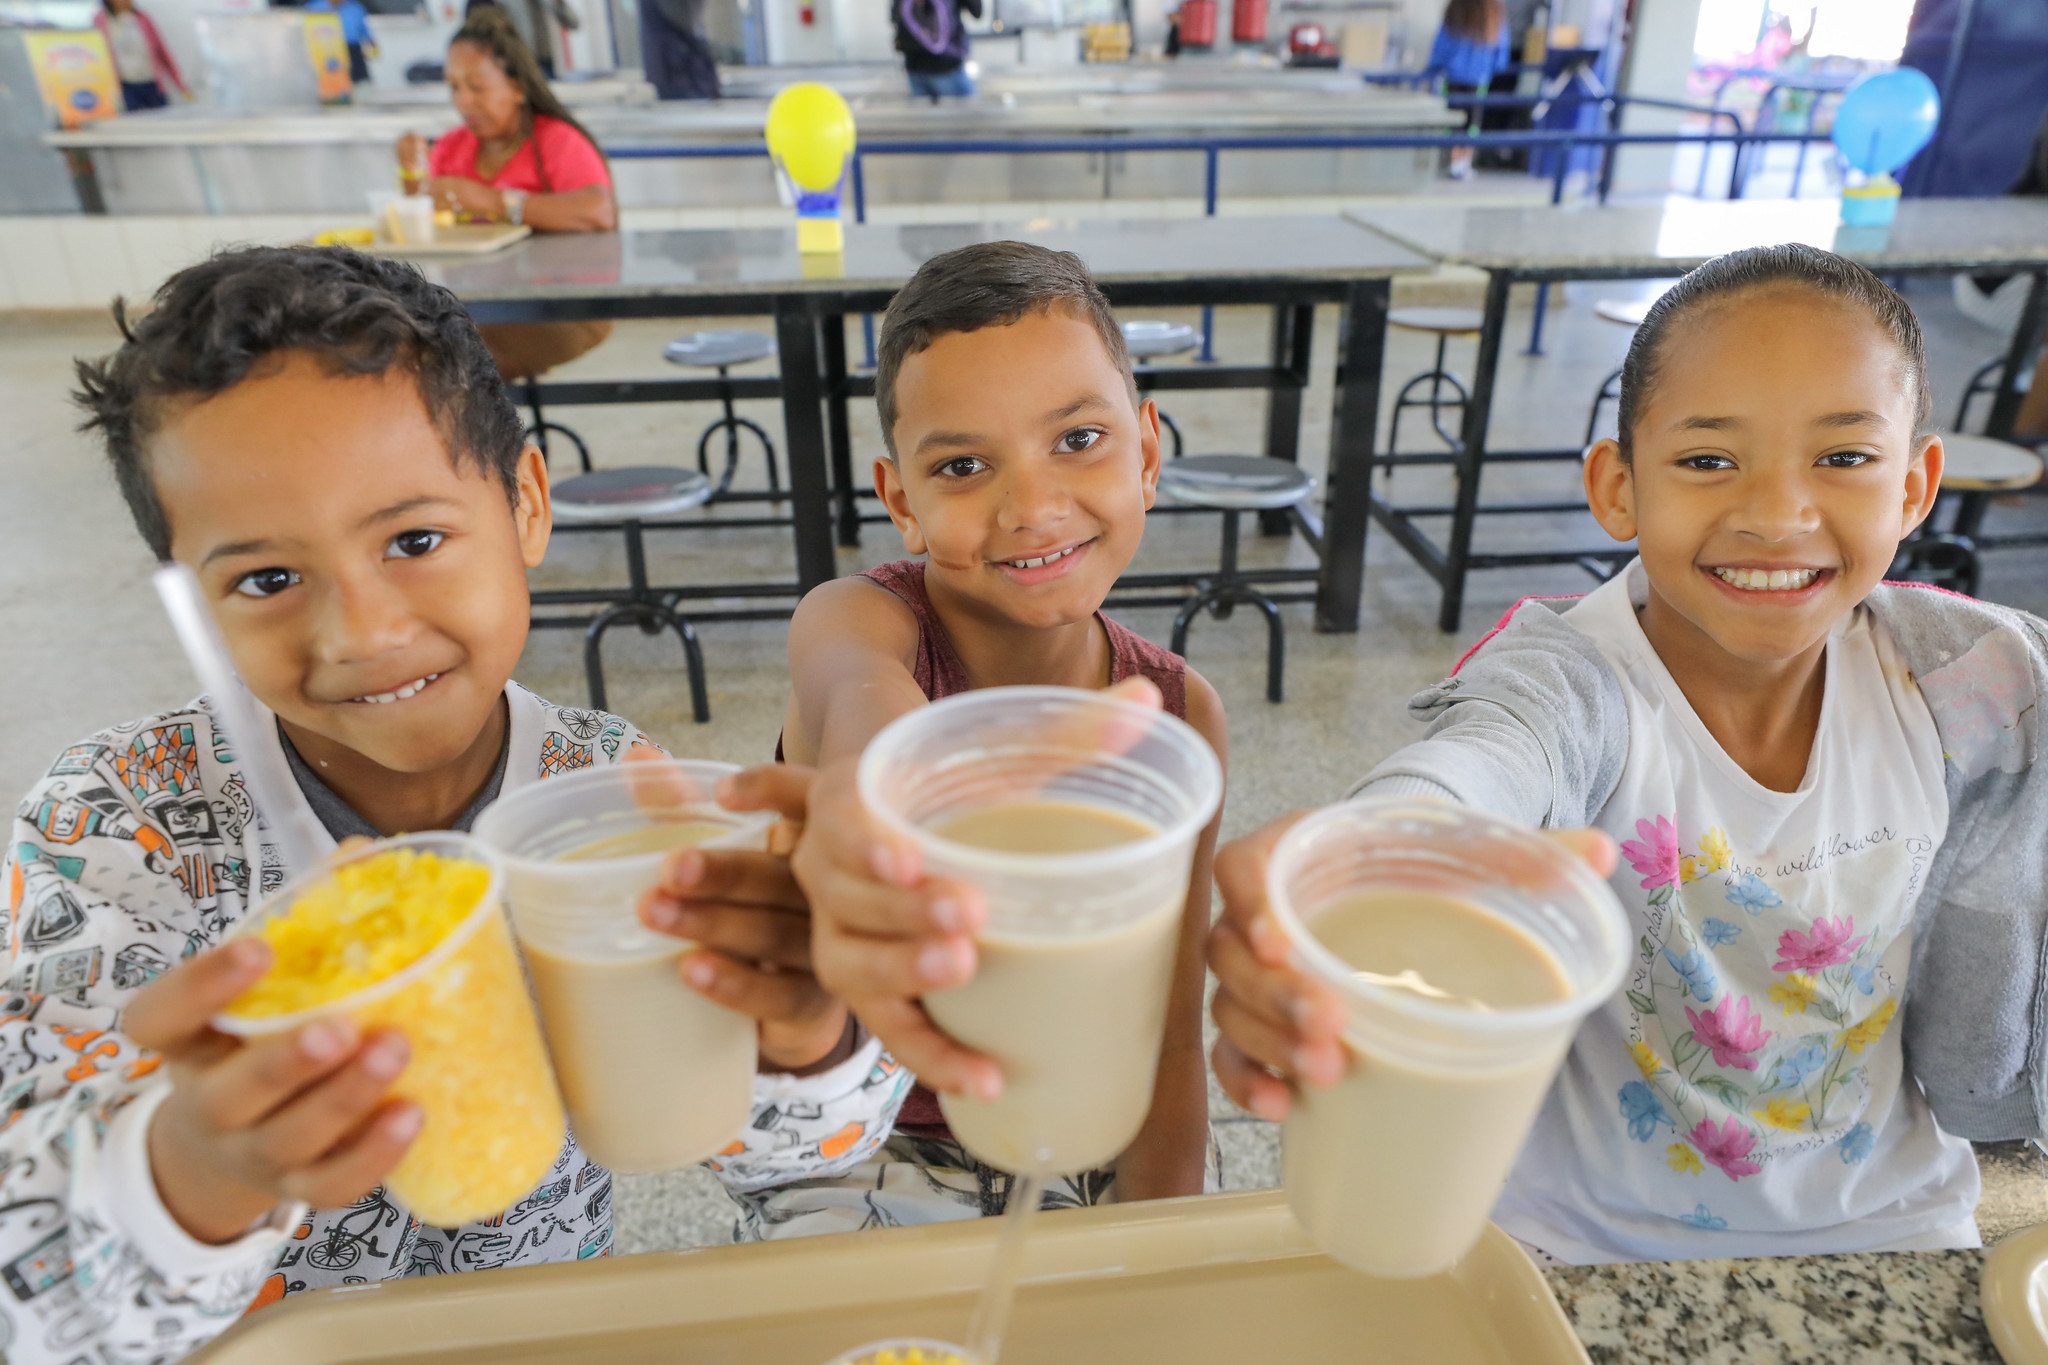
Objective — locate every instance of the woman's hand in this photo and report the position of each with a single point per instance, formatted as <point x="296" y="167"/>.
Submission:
<point x="1281" y="1028"/>
<point x="464" y="195"/>
<point x="751" y="926"/>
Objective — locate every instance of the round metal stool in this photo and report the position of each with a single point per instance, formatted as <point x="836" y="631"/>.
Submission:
<point x="626" y="498"/>
<point x="721" y="350"/>
<point x="1974" y="469"/>
<point x="538" y="429"/>
<point x="1147" y="340"/>
<point x="1444" y="323"/>
<point x="1234" y="485"/>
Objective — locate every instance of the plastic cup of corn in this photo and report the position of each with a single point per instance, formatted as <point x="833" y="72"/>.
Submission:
<point x="409" y="933"/>
<point x="905" y="1351"/>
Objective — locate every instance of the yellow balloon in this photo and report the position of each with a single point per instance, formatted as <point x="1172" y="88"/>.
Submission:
<point x="810" y="130"/>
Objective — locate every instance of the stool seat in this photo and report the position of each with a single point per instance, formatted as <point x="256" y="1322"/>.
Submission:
<point x="1235" y="483"/>
<point x="1150" y="340"/>
<point x="1444" y="321"/>
<point x="727" y="346"/>
<point x="634" y="494"/>
<point x="1978" y="464"/>
<point x="1627" y="312"/>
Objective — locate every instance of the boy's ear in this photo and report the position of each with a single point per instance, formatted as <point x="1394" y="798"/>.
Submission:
<point x="889" y="488"/>
<point x="1923" y="483"/>
<point x="1148" y="446"/>
<point x="534" y="515"/>
<point x="1611" y="489"/>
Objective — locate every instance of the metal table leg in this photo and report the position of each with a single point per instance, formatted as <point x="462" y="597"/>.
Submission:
<point x="1472" y="451"/>
<point x="1294" y="328"/>
<point x="803" y="424"/>
<point x="2005" y="407"/>
<point x="1354" y="426"/>
<point x="841" y="437"/>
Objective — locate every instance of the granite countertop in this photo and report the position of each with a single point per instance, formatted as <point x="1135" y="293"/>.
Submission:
<point x="1918" y="1306"/>
<point x="724" y="262"/>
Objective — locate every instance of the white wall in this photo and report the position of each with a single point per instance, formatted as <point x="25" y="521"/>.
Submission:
<point x="1659" y="59"/>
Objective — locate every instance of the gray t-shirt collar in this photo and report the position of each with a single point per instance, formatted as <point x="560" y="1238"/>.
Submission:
<point x="343" y="821"/>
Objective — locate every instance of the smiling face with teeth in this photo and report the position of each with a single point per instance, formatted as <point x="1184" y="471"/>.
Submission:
<point x="372" y="591"/>
<point x="1023" y="474"/>
<point x="1775" y="469"/>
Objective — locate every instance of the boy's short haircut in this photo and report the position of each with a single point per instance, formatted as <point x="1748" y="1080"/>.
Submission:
<point x="1794" y="264"/>
<point x="989" y="284"/>
<point x="213" y="323"/>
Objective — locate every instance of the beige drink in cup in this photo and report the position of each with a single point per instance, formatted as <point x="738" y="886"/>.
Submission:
<point x="1466" y="950"/>
<point x="409" y="934"/>
<point x="656" y="1076"/>
<point x="1076" y="815"/>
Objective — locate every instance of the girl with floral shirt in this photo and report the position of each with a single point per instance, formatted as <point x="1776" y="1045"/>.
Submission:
<point x="1813" y="789"/>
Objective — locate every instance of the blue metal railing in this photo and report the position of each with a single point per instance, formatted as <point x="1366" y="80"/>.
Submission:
<point x="1212" y="149"/>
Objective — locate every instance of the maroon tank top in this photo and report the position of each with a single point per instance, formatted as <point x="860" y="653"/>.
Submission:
<point x="940" y="673"/>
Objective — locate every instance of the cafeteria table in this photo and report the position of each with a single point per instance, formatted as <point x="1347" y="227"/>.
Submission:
<point x="1548" y="244"/>
<point x="1287" y="264"/>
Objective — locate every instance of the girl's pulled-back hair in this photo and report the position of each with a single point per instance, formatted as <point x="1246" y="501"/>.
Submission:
<point x="1793" y="264"/>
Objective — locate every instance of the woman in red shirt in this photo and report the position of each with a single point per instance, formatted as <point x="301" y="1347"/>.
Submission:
<point x="519" y="157"/>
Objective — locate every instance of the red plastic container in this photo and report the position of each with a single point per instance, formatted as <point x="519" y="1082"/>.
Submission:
<point x="1248" y="21"/>
<point x="1198" y="23"/>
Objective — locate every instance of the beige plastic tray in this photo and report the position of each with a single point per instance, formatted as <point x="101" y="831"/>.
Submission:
<point x="2015" y="1296"/>
<point x="1219" y="1280"/>
<point x="463" y="239"/>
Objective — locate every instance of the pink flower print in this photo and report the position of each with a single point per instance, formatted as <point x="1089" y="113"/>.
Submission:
<point x="1727" y="1146"/>
<point x="1827" y="944"/>
<point x="1732" y="1030"/>
<point x="1656" y="856"/>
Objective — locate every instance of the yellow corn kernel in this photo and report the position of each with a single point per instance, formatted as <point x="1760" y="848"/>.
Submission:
<point x="371" y="919"/>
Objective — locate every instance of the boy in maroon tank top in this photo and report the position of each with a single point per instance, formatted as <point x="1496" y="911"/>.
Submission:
<point x="1021" y="465"/>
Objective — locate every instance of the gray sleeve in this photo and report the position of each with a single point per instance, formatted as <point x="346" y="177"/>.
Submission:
<point x="1476" y="754"/>
<point x="1532" y="728"/>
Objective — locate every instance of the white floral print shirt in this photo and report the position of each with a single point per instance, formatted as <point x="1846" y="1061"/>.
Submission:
<point x="1745" y="1093"/>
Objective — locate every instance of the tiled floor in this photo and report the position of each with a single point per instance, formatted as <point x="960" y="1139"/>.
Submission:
<point x="88" y="645"/>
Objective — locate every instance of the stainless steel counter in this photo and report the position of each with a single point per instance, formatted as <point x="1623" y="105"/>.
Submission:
<point x="194" y="160"/>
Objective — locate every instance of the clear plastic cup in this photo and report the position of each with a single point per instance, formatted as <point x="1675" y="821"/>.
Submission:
<point x="1394" y="1169"/>
<point x="479" y="1071"/>
<point x="412" y="218"/>
<point x="657" y="1077"/>
<point x="1076" y="960"/>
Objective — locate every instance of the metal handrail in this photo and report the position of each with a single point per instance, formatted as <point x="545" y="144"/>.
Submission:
<point x="1212" y="149"/>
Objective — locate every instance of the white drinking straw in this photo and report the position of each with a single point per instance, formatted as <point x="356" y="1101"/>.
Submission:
<point x="300" y="836"/>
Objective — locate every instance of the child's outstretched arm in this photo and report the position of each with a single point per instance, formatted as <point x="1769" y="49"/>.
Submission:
<point x="852" y="652"/>
<point x="152" y="1164"/>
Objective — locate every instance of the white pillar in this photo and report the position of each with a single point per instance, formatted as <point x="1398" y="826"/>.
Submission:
<point x="1659" y="60"/>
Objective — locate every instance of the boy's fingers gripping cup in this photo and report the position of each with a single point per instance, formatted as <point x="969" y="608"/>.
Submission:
<point x="409" y="934"/>
<point x="657" y="1077"/>
<point x="1466" y="950"/>
<point x="1076" y="815"/>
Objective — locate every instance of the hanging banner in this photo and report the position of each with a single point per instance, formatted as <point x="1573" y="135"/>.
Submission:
<point x="76" y="74"/>
<point x="329" y="53"/>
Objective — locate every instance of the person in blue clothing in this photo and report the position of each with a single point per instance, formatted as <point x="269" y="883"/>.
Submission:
<point x="932" y="36"/>
<point x="1471" y="45"/>
<point x="355" y="31"/>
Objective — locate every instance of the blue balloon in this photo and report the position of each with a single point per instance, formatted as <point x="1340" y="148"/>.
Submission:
<point x="1886" y="118"/>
